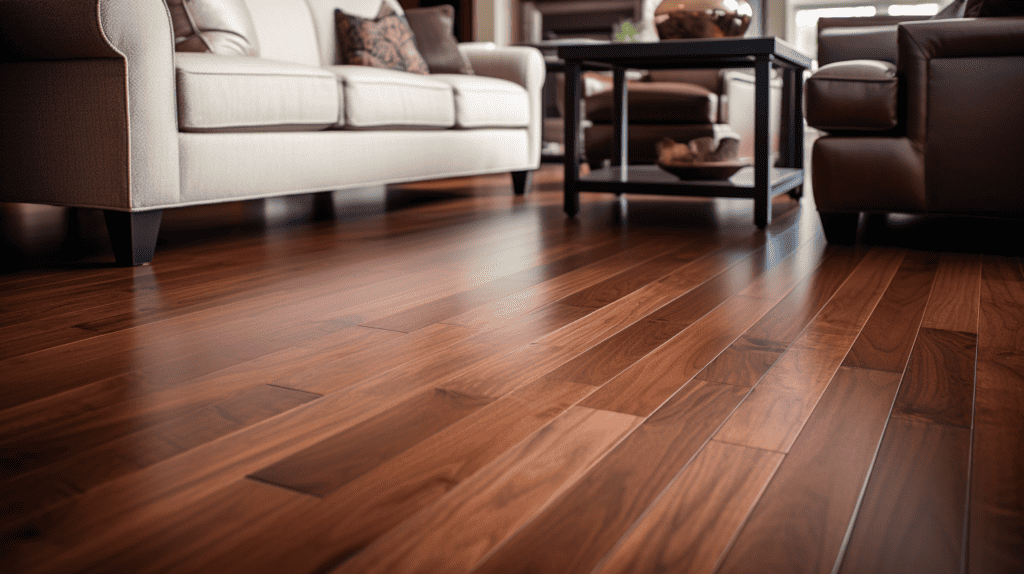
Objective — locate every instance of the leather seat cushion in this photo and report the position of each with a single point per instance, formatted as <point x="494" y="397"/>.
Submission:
<point x="483" y="102"/>
<point x="379" y="98"/>
<point x="232" y="93"/>
<point x="855" y="95"/>
<point x="659" y="103"/>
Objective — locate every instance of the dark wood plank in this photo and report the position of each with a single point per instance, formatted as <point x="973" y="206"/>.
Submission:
<point x="558" y="288"/>
<point x="447" y="307"/>
<point x="885" y="342"/>
<point x="997" y="472"/>
<point x="913" y="516"/>
<point x="337" y="527"/>
<point x="689" y="527"/>
<point x="779" y="405"/>
<point x="619" y="315"/>
<point x="649" y="382"/>
<point x="453" y="534"/>
<point x="45" y="431"/>
<point x="939" y="383"/>
<point x="578" y="529"/>
<point x="953" y="305"/>
<point x="750" y="357"/>
<point x="618" y="286"/>
<point x="87" y="469"/>
<point x="823" y="476"/>
<point x="339" y="459"/>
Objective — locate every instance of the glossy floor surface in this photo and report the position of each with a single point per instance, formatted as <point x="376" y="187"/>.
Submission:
<point x="443" y="377"/>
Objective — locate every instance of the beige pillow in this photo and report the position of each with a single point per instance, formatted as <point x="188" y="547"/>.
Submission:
<point x="222" y="27"/>
<point x="434" y="39"/>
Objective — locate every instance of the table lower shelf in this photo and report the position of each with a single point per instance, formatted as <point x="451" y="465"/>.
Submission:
<point x="652" y="180"/>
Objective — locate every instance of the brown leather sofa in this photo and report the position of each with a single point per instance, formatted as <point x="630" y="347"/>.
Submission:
<point x="941" y="131"/>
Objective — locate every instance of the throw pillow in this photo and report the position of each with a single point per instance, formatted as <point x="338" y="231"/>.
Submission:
<point x="435" y="41"/>
<point x="954" y="9"/>
<point x="384" y="42"/>
<point x="222" y="27"/>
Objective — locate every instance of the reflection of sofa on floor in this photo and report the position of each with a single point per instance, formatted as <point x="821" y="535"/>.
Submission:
<point x="100" y="111"/>
<point x="678" y="104"/>
<point x="932" y="125"/>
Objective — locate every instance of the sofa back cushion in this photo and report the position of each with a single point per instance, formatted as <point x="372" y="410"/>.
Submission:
<point x="324" y="22"/>
<point x="285" y="31"/>
<point x="223" y="27"/>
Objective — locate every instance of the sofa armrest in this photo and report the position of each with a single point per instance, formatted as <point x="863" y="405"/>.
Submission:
<point x="859" y="38"/>
<point x="922" y="42"/>
<point x="520" y="64"/>
<point x="89" y="117"/>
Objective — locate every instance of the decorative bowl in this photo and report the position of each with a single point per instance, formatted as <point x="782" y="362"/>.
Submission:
<point x="688" y="19"/>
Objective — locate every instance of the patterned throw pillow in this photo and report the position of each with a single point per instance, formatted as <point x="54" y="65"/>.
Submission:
<point x="385" y="42"/>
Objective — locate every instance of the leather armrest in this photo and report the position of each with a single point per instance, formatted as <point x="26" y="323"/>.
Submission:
<point x="860" y="43"/>
<point x="920" y="42"/>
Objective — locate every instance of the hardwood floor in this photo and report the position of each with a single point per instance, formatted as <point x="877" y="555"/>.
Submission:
<point x="444" y="377"/>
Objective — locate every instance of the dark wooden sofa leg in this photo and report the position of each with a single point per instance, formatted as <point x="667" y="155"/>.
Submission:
<point x="521" y="181"/>
<point x="840" y="227"/>
<point x="133" y="235"/>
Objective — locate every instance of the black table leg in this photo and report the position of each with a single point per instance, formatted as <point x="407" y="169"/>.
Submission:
<point x="620" y="122"/>
<point x="791" y="140"/>
<point x="572" y="127"/>
<point x="762" y="185"/>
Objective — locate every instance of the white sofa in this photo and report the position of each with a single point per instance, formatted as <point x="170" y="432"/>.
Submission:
<point x="99" y="111"/>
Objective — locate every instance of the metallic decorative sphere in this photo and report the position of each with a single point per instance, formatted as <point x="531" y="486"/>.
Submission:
<point x="683" y="19"/>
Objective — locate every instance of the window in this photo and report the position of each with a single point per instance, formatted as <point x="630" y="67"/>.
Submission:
<point x="805" y="15"/>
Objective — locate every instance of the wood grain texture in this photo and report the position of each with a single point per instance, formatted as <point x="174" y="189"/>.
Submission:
<point x="135" y="403"/>
<point x="886" y="339"/>
<point x="629" y="280"/>
<point x="337" y="460"/>
<point x="347" y="521"/>
<point x="823" y="476"/>
<point x="440" y="309"/>
<point x="558" y="289"/>
<point x="956" y="295"/>
<point x="939" y="383"/>
<point x="457" y="531"/>
<point x="997" y="473"/>
<point x="619" y="315"/>
<point x="48" y="430"/>
<point x="575" y="531"/>
<point x="913" y="515"/>
<point x="750" y="357"/>
<point x="79" y="473"/>
<point x="774" y="413"/>
<point x="689" y="527"/>
<point x="648" y="383"/>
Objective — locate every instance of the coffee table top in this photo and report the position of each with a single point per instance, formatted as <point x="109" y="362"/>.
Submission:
<point x="712" y="52"/>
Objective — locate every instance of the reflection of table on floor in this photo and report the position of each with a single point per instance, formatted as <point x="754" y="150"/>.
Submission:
<point x="761" y="182"/>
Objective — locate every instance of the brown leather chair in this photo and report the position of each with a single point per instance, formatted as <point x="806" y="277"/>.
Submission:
<point x="940" y="131"/>
<point x="678" y="104"/>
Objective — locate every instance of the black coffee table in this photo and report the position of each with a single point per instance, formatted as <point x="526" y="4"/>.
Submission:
<point x="761" y="182"/>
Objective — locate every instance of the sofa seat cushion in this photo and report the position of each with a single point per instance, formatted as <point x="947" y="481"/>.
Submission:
<point x="227" y="93"/>
<point x="659" y="103"/>
<point x="484" y="102"/>
<point x="855" y="95"/>
<point x="380" y="98"/>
